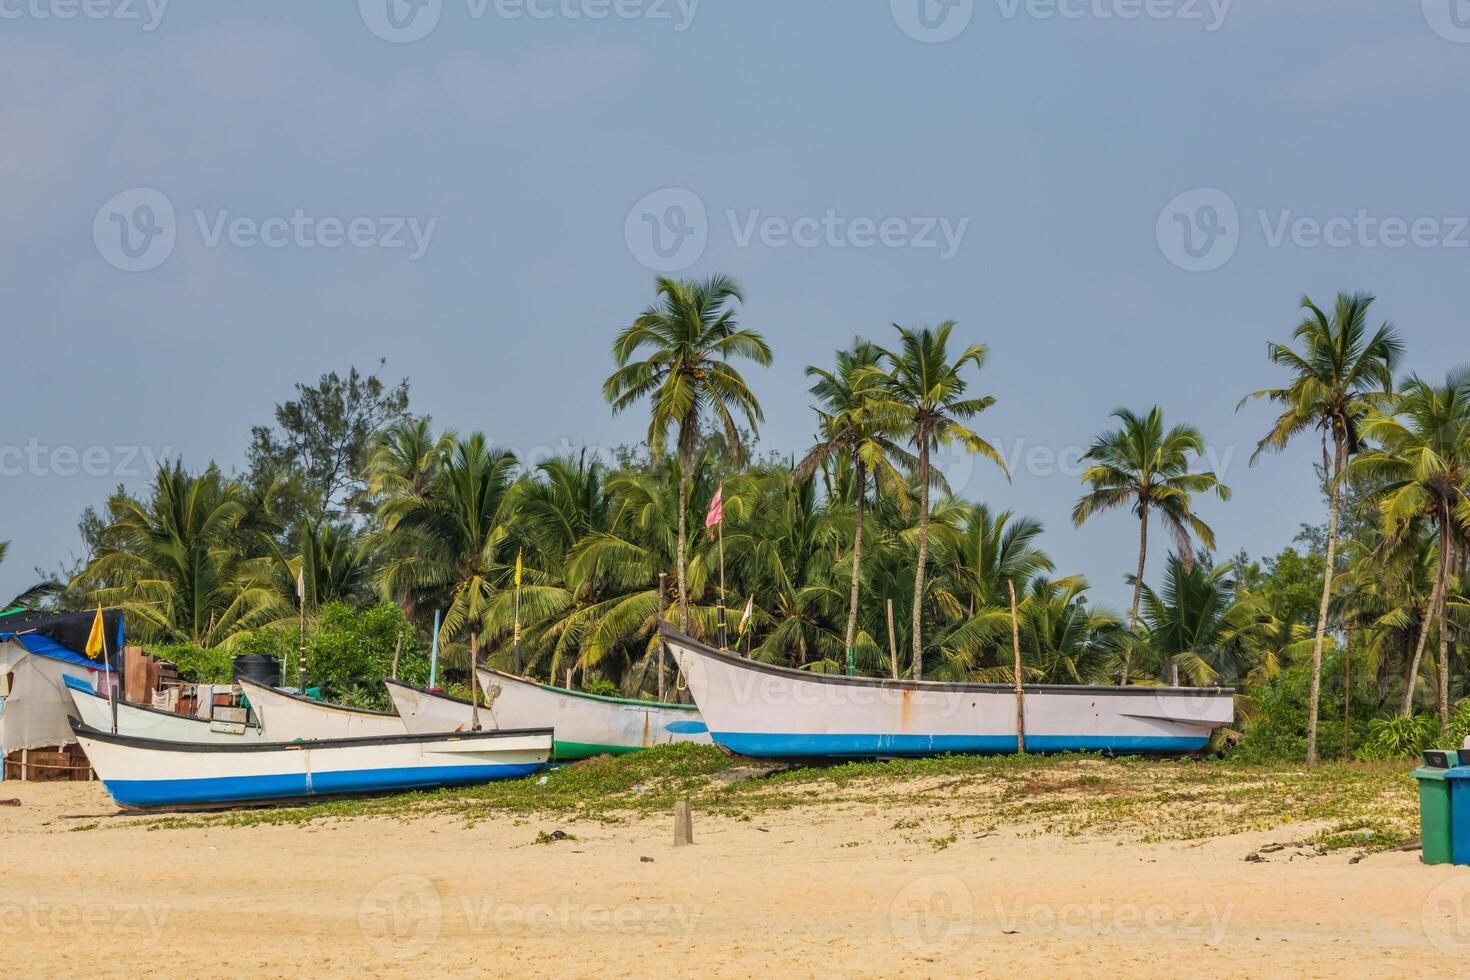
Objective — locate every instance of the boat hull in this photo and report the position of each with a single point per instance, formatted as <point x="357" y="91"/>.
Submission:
<point x="288" y="717"/>
<point x="586" y="725"/>
<point x="143" y="774"/>
<point x="761" y="710"/>
<point x="139" y="721"/>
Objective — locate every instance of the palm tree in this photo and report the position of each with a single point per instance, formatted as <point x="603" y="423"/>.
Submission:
<point x="1336" y="376"/>
<point x="1200" y="624"/>
<point x="191" y="565"/>
<point x="1425" y="465"/>
<point x="925" y="388"/>
<point x="854" y="425"/>
<point x="1144" y="467"/>
<point x="691" y="334"/>
<point x="460" y="528"/>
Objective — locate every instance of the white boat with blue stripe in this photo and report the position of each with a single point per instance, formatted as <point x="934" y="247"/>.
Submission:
<point x="141" y="721"/>
<point x="762" y="710"/>
<point x="148" y="774"/>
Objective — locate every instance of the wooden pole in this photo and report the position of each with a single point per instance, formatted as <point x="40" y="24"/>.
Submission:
<point x="434" y="654"/>
<point x="663" y="600"/>
<point x="301" y="653"/>
<point x="517" y="654"/>
<point x="1020" y="688"/>
<point x="569" y="678"/>
<point x="683" y="824"/>
<point x="723" y="644"/>
<point x="1347" y="691"/>
<point x="397" y="649"/>
<point x="474" y="680"/>
<point x="892" y="643"/>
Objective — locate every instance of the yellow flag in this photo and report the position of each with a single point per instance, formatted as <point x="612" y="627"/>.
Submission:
<point x="95" y="643"/>
<point x="518" y="569"/>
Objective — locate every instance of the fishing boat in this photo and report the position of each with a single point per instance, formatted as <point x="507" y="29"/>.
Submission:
<point x="286" y="717"/>
<point x="141" y="721"/>
<point x="763" y="710"/>
<point x="586" y="724"/>
<point x="147" y="774"/>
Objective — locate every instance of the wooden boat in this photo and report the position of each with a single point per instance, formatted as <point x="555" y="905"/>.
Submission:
<point x="144" y="774"/>
<point x="759" y="709"/>
<point x="286" y="717"/>
<point x="585" y="724"/>
<point x="140" y="721"/>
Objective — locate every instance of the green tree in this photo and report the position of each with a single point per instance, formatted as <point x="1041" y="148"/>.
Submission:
<point x="1145" y="467"/>
<point x="320" y="442"/>
<point x="690" y="334"/>
<point x="1424" y="466"/>
<point x="853" y="424"/>
<point x="459" y="538"/>
<point x="926" y="388"/>
<point x="1336" y="376"/>
<point x="189" y="565"/>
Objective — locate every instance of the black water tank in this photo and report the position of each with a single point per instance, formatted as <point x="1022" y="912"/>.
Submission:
<point x="259" y="668"/>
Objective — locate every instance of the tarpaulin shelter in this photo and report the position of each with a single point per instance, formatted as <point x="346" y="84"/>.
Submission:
<point x="38" y="650"/>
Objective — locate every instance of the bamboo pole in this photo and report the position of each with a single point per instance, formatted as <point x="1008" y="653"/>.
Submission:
<point x="474" y="680"/>
<point x="1020" y="688"/>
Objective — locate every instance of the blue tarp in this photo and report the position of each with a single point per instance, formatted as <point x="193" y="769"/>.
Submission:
<point x="43" y="646"/>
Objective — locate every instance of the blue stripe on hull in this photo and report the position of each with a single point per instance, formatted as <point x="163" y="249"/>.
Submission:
<point x="242" y="789"/>
<point x="868" y="746"/>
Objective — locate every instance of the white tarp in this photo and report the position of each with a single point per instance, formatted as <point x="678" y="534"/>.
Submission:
<point x="36" y="711"/>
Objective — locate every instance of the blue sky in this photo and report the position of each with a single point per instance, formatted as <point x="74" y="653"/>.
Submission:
<point x="1124" y="199"/>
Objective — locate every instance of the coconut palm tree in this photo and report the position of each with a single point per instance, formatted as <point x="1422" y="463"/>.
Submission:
<point x="1199" y="623"/>
<point x="191" y="564"/>
<point x="1424" y="464"/>
<point x="926" y="388"/>
<point x="460" y="527"/>
<point x="1336" y="376"/>
<point x="1145" y="467"/>
<point x="690" y="335"/>
<point x="853" y="424"/>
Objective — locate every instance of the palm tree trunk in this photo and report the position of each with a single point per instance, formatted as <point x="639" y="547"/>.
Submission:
<point x="683" y="546"/>
<point x="923" y="556"/>
<point x="1446" y="559"/>
<point x="1429" y="610"/>
<point x="1137" y="584"/>
<point x="1314" y="701"/>
<point x="857" y="557"/>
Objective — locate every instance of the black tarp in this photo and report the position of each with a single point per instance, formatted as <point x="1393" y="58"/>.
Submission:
<point x="69" y="629"/>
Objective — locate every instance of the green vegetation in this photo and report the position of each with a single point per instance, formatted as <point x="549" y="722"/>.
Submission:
<point x="1363" y="805"/>
<point x="381" y="519"/>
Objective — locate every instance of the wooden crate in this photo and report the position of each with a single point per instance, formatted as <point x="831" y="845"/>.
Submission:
<point x="49" y="764"/>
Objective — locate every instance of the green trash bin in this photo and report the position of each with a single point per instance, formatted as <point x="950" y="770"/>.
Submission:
<point x="1435" y="827"/>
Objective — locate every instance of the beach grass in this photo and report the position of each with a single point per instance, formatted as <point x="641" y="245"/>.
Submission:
<point x="1364" y="806"/>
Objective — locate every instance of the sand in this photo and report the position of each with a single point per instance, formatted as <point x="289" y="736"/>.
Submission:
<point x="819" y="891"/>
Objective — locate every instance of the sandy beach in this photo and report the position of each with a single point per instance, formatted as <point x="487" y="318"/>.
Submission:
<point x="811" y="891"/>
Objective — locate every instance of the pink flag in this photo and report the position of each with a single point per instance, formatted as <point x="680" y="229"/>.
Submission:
<point x="716" y="509"/>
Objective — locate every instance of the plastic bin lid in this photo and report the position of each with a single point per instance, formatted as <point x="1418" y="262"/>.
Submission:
<point x="1459" y="772"/>
<point x="1424" y="772"/>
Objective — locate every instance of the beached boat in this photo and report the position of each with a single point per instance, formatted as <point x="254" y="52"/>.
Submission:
<point x="759" y="709"/>
<point x="144" y="774"/>
<point x="286" y="717"/>
<point x="140" y="721"/>
<point x="585" y="724"/>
